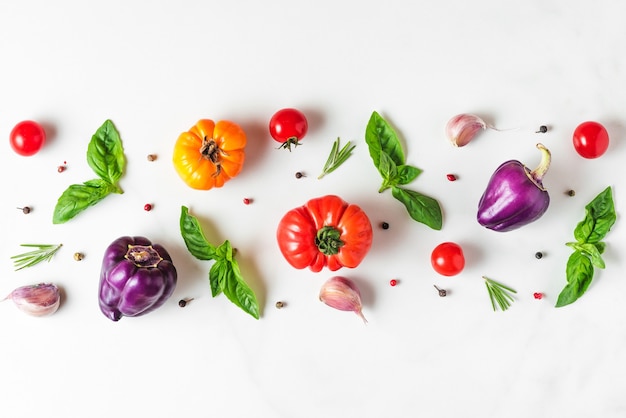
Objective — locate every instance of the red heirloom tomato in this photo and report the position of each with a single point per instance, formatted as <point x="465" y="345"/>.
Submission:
<point x="447" y="259"/>
<point x="326" y="231"/>
<point x="591" y="140"/>
<point x="288" y="126"/>
<point x="27" y="138"/>
<point x="209" y="154"/>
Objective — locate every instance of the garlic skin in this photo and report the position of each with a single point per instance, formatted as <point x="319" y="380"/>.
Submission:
<point x="462" y="128"/>
<point x="42" y="299"/>
<point x="341" y="293"/>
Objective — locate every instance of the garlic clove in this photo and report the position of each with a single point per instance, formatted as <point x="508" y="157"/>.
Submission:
<point x="42" y="299"/>
<point x="342" y="294"/>
<point x="461" y="129"/>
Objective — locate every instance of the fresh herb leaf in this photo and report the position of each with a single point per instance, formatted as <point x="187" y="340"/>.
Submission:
<point x="224" y="275"/>
<point x="421" y="208"/>
<point x="406" y="174"/>
<point x="43" y="252"/>
<point x="194" y="238"/>
<point x="105" y="155"/>
<point x="388" y="171"/>
<point x="599" y="218"/>
<point x="337" y="157"/>
<point x="79" y="197"/>
<point x="579" y="274"/>
<point x="388" y="157"/>
<point x="589" y="250"/>
<point x="499" y="294"/>
<point x="381" y="137"/>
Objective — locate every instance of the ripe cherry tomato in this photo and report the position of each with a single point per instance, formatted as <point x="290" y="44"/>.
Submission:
<point x="27" y="138"/>
<point x="591" y="140"/>
<point x="288" y="126"/>
<point x="447" y="259"/>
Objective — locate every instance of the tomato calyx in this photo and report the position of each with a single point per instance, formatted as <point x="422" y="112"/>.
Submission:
<point x="328" y="240"/>
<point x="210" y="151"/>
<point x="289" y="142"/>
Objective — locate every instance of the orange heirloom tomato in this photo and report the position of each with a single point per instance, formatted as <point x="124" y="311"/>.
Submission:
<point x="209" y="154"/>
<point x="327" y="231"/>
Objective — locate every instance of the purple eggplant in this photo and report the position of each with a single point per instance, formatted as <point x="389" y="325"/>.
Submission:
<point x="137" y="277"/>
<point x="515" y="195"/>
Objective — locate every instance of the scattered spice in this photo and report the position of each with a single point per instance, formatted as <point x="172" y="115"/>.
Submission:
<point x="152" y="157"/>
<point x="393" y="282"/>
<point x="183" y="302"/>
<point x="78" y="256"/>
<point x="542" y="129"/>
<point x="299" y="175"/>
<point x="442" y="292"/>
<point x="570" y="193"/>
<point x="451" y="177"/>
<point x="147" y="207"/>
<point x="61" y="168"/>
<point x="25" y="210"/>
<point x="538" y="255"/>
<point x="280" y="304"/>
<point x="384" y="225"/>
<point x="538" y="295"/>
<point x="247" y="201"/>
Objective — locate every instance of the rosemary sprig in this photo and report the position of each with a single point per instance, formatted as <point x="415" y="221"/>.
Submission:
<point x="336" y="157"/>
<point x="43" y="252"/>
<point x="499" y="293"/>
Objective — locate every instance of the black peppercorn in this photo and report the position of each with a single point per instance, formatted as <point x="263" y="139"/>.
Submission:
<point x="25" y="210"/>
<point x="183" y="302"/>
<point x="299" y="175"/>
<point x="542" y="129"/>
<point x="384" y="225"/>
<point x="538" y="255"/>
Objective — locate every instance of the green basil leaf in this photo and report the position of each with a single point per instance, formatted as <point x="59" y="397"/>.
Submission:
<point x="79" y="197"/>
<point x="421" y="208"/>
<point x="579" y="274"/>
<point x="237" y="290"/>
<point x="380" y="137"/>
<point x="407" y="173"/>
<point x="591" y="251"/>
<point x="599" y="218"/>
<point x="193" y="236"/>
<point x="388" y="171"/>
<point x="218" y="276"/>
<point x="105" y="154"/>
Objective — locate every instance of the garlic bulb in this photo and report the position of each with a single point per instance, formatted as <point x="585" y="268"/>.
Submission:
<point x="462" y="128"/>
<point x="37" y="300"/>
<point x="342" y="294"/>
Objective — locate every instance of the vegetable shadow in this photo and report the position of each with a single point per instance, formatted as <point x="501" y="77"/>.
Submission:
<point x="473" y="253"/>
<point x="258" y="142"/>
<point x="368" y="293"/>
<point x="617" y="132"/>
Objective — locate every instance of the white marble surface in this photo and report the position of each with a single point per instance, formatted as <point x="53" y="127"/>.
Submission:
<point x="156" y="67"/>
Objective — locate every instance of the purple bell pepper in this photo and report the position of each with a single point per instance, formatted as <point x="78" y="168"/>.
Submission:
<point x="515" y="195"/>
<point x="137" y="277"/>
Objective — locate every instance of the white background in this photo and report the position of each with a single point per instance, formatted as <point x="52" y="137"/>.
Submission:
<point x="155" y="68"/>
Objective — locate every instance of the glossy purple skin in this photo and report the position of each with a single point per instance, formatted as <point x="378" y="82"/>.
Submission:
<point x="127" y="289"/>
<point x="512" y="198"/>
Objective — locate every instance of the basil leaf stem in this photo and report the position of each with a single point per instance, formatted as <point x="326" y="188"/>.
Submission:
<point x="388" y="156"/>
<point x="105" y="156"/>
<point x="599" y="218"/>
<point x="224" y="275"/>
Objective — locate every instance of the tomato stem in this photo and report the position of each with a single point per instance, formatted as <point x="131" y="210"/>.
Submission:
<point x="328" y="240"/>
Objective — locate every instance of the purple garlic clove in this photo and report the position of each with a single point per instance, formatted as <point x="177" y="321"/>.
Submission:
<point x="342" y="294"/>
<point x="37" y="300"/>
<point x="515" y="195"/>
